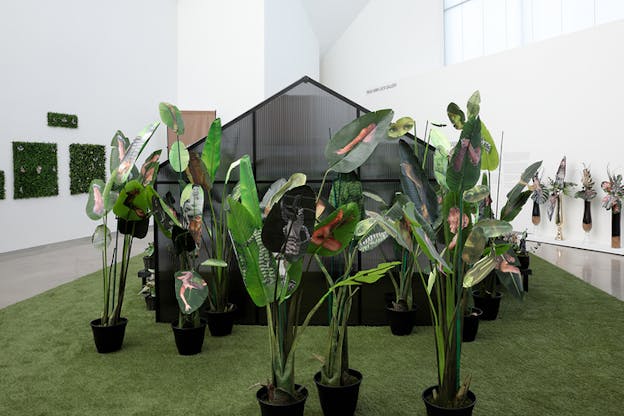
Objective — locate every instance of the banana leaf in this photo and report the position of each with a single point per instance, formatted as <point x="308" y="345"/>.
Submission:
<point x="247" y="188"/>
<point x="438" y="140"/>
<point x="211" y="154"/>
<point x="513" y="207"/>
<point x="416" y="186"/>
<point x="191" y="290"/>
<point x="465" y="165"/>
<point x="489" y="153"/>
<point x="368" y="276"/>
<point x="178" y="156"/>
<point x="170" y="115"/>
<point x="526" y="176"/>
<point x="440" y="166"/>
<point x="353" y="144"/>
<point x="479" y="271"/>
<point x="494" y="228"/>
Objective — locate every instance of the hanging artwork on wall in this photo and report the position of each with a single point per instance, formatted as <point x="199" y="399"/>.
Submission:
<point x="587" y="193"/>
<point x="34" y="170"/>
<point x="86" y="162"/>
<point x="614" y="190"/>
<point x="2" y="193"/>
<point x="69" y="121"/>
<point x="556" y="189"/>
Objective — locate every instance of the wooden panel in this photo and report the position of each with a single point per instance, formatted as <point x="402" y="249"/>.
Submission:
<point x="196" y="126"/>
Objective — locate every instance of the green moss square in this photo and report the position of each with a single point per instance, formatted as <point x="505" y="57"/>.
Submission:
<point x="86" y="162"/>
<point x="35" y="172"/>
<point x="2" y="194"/>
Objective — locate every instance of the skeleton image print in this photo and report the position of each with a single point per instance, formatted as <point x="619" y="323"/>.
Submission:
<point x="191" y="290"/>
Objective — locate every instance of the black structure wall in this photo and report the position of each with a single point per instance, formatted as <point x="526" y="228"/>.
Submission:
<point x="287" y="133"/>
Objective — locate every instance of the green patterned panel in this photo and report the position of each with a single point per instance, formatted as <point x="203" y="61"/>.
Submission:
<point x="63" y="120"/>
<point x="34" y="170"/>
<point x="2" y="194"/>
<point x="86" y="162"/>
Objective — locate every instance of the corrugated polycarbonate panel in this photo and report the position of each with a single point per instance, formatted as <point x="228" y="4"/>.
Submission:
<point x="292" y="132"/>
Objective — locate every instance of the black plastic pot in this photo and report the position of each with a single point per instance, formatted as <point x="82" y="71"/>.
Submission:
<point x="524" y="261"/>
<point x="189" y="341"/>
<point x="108" y="338"/>
<point x="150" y="302"/>
<point x="488" y="304"/>
<point x="220" y="323"/>
<point x="435" y="410"/>
<point x="471" y="325"/>
<point x="339" y="400"/>
<point x="401" y="322"/>
<point x="149" y="262"/>
<point x="281" y="409"/>
<point x="525" y="278"/>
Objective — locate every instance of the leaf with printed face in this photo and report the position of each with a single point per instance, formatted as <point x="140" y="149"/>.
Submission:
<point x="456" y="116"/>
<point x="353" y="144"/>
<point x="192" y="201"/>
<point x="191" y="290"/>
<point x="401" y="127"/>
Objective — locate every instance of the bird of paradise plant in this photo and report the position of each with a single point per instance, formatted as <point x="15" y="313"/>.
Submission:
<point x="127" y="193"/>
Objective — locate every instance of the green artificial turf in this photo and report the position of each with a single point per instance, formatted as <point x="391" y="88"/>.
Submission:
<point x="560" y="352"/>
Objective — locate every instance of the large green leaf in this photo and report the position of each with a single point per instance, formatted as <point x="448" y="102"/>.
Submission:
<point x="476" y="193"/>
<point x="456" y="116"/>
<point x="494" y="228"/>
<point x="332" y="235"/>
<point x="392" y="227"/>
<point x="101" y="237"/>
<point x="513" y="207"/>
<point x="96" y="207"/>
<point x="178" y="156"/>
<point x="473" y="105"/>
<point x="134" y="202"/>
<point x="353" y="144"/>
<point x="465" y="164"/>
<point x="489" y="153"/>
<point x="479" y="271"/>
<point x="171" y="116"/>
<point x="474" y="245"/>
<point x="438" y="140"/>
<point x="248" y="192"/>
<point x="416" y="186"/>
<point x="526" y="176"/>
<point x="440" y="166"/>
<point x="191" y="290"/>
<point x="211" y="155"/>
<point x="279" y="188"/>
<point x="246" y="238"/>
<point x="401" y="127"/>
<point x="370" y="275"/>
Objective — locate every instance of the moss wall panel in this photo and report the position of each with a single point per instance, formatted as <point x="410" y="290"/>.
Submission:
<point x="2" y="192"/>
<point x="35" y="171"/>
<point x="86" y="162"/>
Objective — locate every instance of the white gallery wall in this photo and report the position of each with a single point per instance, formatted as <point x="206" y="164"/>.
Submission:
<point x="234" y="54"/>
<point x="108" y="62"/>
<point x="558" y="97"/>
<point x="387" y="41"/>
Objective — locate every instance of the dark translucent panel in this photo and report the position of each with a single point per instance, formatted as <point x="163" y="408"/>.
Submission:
<point x="383" y="163"/>
<point x="292" y="131"/>
<point x="236" y="141"/>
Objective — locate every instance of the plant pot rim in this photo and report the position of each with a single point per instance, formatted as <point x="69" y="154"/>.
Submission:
<point x="174" y="325"/>
<point x="298" y="387"/>
<point x="474" y="311"/>
<point x="351" y="371"/>
<point x="97" y="322"/>
<point x="234" y="309"/>
<point x="482" y="294"/>
<point x="427" y="392"/>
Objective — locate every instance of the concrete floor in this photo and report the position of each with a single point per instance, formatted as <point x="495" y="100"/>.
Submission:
<point x="26" y="273"/>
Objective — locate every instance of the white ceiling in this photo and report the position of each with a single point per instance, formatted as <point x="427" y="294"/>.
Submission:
<point x="330" y="18"/>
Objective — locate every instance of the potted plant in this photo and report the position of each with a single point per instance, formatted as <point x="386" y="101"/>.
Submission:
<point x="469" y="255"/>
<point x="614" y="189"/>
<point x="127" y="193"/>
<point x="270" y="254"/>
<point x="556" y="189"/>
<point x="587" y="193"/>
<point x="201" y="170"/>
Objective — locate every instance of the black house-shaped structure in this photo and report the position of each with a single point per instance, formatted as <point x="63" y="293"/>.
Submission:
<point x="284" y="134"/>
